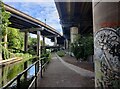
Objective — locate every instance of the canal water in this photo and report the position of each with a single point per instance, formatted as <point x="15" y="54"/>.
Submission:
<point x="10" y="71"/>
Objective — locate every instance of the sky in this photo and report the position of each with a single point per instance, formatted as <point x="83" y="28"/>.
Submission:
<point x="39" y="9"/>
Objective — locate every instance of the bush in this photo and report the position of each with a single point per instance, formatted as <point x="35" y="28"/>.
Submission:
<point x="82" y="47"/>
<point x="47" y="55"/>
<point x="61" y="53"/>
<point x="6" y="54"/>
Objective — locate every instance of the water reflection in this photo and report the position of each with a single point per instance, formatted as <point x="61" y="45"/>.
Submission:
<point x="8" y="72"/>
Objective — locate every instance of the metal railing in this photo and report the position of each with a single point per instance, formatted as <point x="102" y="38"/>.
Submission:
<point x="39" y="66"/>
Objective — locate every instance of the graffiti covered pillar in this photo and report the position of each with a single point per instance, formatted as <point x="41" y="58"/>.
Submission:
<point x="106" y="17"/>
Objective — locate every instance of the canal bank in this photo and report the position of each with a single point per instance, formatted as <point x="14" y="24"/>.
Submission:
<point x="8" y="72"/>
<point x="10" y="61"/>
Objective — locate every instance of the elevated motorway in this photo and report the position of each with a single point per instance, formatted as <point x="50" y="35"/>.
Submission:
<point x="27" y="23"/>
<point x="75" y="14"/>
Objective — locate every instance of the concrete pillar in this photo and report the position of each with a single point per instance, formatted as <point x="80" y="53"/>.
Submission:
<point x="0" y="44"/>
<point x="106" y="17"/>
<point x="26" y="41"/>
<point x="0" y="52"/>
<point x="73" y="33"/>
<point x="64" y="44"/>
<point x="66" y="41"/>
<point x="1" y="75"/>
<point x="38" y="44"/>
<point x="55" y="43"/>
<point x="43" y="48"/>
<point x="43" y="41"/>
<point x="25" y="67"/>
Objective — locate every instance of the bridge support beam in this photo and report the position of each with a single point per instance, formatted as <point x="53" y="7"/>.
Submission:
<point x="0" y="41"/>
<point x="107" y="44"/>
<point x="66" y="43"/>
<point x="26" y="41"/>
<point x="0" y="50"/>
<point x="73" y="33"/>
<point x="44" y="48"/>
<point x="38" y="44"/>
<point x="55" y="42"/>
<point x="0" y="54"/>
<point x="43" y="41"/>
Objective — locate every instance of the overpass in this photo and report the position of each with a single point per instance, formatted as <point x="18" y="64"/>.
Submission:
<point x="80" y="18"/>
<point x="77" y="15"/>
<point x="29" y="24"/>
<point x="77" y="18"/>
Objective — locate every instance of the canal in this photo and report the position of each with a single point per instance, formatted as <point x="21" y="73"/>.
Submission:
<point x="10" y="71"/>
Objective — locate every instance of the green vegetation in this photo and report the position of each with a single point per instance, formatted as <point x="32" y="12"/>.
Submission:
<point x="4" y="23"/>
<point x="15" y="38"/>
<point x="32" y="45"/>
<point x="12" y="40"/>
<point x="82" y="46"/>
<point x="14" y="45"/>
<point x="61" y="53"/>
<point x="8" y="54"/>
<point x="47" y="55"/>
<point x="10" y="71"/>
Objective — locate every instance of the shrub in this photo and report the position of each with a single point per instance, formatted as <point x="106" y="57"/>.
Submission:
<point x="61" y="53"/>
<point x="82" y="47"/>
<point x="47" y="55"/>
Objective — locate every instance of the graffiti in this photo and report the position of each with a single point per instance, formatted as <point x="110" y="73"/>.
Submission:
<point x="107" y="51"/>
<point x="109" y="24"/>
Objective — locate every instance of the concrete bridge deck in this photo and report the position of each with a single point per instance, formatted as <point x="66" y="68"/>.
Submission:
<point x="58" y="74"/>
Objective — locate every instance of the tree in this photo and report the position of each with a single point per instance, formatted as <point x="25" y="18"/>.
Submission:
<point x="82" y="46"/>
<point x="77" y="47"/>
<point x="88" y="45"/>
<point x="4" y="23"/>
<point x="15" y="38"/>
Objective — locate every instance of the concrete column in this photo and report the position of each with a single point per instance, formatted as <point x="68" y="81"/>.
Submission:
<point x="0" y="36"/>
<point x="43" y="48"/>
<point x="73" y="33"/>
<point x="0" y="52"/>
<point x="55" y="43"/>
<point x="0" y="45"/>
<point x="64" y="44"/>
<point x="1" y="75"/>
<point x="66" y="41"/>
<point x="43" y="41"/>
<point x="25" y="67"/>
<point x="38" y="44"/>
<point x="26" y="41"/>
<point x="106" y="17"/>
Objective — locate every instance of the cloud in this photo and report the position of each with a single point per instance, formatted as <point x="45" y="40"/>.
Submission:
<point x="47" y="41"/>
<point x="61" y="0"/>
<point x="28" y="0"/>
<point x="40" y="11"/>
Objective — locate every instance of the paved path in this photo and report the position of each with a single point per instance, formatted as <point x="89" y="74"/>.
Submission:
<point x="81" y="71"/>
<point x="59" y="75"/>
